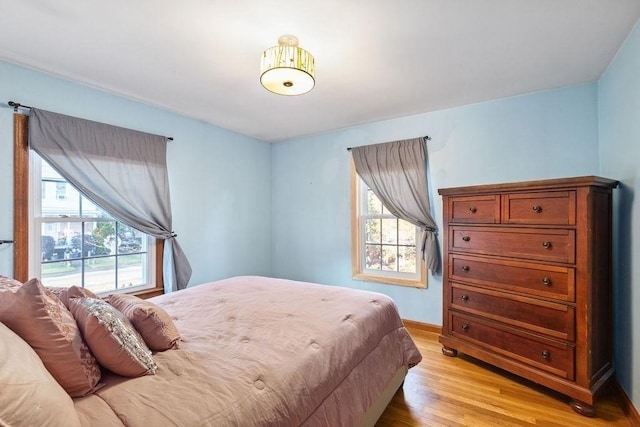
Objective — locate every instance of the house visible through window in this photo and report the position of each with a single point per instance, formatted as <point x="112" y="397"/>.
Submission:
<point x="74" y="242"/>
<point x="61" y="188"/>
<point x="384" y="248"/>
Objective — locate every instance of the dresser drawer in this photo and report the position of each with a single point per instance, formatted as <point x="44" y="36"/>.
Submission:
<point x="529" y="243"/>
<point x="475" y="209"/>
<point x="553" y="319"/>
<point x="553" y="208"/>
<point x="547" y="281"/>
<point x="549" y="355"/>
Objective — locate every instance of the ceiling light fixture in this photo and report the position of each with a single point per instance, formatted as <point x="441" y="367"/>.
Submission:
<point x="287" y="69"/>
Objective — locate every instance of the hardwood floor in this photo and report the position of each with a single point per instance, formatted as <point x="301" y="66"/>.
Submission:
<point x="461" y="391"/>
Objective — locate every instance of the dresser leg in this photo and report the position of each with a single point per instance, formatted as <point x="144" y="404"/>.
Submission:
<point x="582" y="408"/>
<point x="449" y="351"/>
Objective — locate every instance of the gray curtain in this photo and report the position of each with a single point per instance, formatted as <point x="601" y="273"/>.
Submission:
<point x="397" y="173"/>
<point x="122" y="171"/>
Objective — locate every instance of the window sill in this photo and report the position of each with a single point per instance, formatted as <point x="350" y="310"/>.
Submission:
<point x="143" y="294"/>
<point x="411" y="283"/>
<point x="148" y="293"/>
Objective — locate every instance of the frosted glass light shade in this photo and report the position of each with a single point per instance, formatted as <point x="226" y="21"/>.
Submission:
<point x="287" y="69"/>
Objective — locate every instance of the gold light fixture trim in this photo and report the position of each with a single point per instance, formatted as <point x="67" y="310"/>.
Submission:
<point x="287" y="69"/>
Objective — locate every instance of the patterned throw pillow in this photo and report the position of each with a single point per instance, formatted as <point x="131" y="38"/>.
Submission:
<point x="152" y="322"/>
<point x="112" y="339"/>
<point x="41" y="319"/>
<point x="7" y="283"/>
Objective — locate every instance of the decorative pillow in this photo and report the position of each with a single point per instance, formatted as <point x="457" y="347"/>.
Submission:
<point x="41" y="319"/>
<point x="30" y="395"/>
<point x="112" y="339"/>
<point x="152" y="322"/>
<point x="64" y="294"/>
<point x="7" y="283"/>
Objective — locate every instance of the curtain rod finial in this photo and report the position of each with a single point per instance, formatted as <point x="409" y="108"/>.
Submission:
<point x="17" y="105"/>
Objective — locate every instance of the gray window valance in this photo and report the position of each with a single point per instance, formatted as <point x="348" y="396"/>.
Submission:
<point x="397" y="173"/>
<point x="122" y="171"/>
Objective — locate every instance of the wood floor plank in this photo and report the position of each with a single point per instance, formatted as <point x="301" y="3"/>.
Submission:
<point x="461" y="391"/>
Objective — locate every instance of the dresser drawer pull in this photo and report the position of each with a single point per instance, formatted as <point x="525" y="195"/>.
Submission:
<point x="546" y="281"/>
<point x="464" y="298"/>
<point x="472" y="209"/>
<point x="537" y="209"/>
<point x="465" y="327"/>
<point x="466" y="238"/>
<point x="465" y="268"/>
<point x="546" y="354"/>
<point x="546" y="245"/>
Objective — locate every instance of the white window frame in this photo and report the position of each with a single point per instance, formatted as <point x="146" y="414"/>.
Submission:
<point x="359" y="215"/>
<point x="35" y="233"/>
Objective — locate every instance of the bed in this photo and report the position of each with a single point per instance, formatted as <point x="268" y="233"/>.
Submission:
<point x="258" y="351"/>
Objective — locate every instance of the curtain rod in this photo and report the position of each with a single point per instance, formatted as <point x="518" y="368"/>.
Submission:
<point x="17" y="105"/>
<point x="426" y="138"/>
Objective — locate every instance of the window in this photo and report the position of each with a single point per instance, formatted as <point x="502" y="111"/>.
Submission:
<point x="81" y="244"/>
<point x="384" y="248"/>
<point x="65" y="239"/>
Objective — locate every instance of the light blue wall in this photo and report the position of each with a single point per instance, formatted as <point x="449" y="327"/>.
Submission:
<point x="244" y="207"/>
<point x="546" y="135"/>
<point x="220" y="181"/>
<point x="619" y="108"/>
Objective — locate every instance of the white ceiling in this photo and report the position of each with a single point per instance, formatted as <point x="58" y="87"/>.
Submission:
<point x="375" y="59"/>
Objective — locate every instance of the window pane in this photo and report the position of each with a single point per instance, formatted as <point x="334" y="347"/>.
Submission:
<point x="373" y="230"/>
<point x="59" y="199"/>
<point x="129" y="239"/>
<point x="61" y="273"/>
<point x="390" y="230"/>
<point x="61" y="190"/>
<point x="89" y="209"/>
<point x="47" y="247"/>
<point x="407" y="259"/>
<point x="407" y="233"/>
<point x="374" y="205"/>
<point x="389" y="258"/>
<point x="49" y="173"/>
<point x="100" y="274"/>
<point x="53" y="242"/>
<point x="84" y="245"/>
<point x="66" y="237"/>
<point x="131" y="271"/>
<point x="373" y="257"/>
<point x="94" y="246"/>
<point x="97" y="236"/>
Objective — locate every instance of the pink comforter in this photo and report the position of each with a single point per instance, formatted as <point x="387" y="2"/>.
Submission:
<point x="263" y="352"/>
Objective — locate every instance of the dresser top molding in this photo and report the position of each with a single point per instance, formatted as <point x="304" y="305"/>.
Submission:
<point x="545" y="184"/>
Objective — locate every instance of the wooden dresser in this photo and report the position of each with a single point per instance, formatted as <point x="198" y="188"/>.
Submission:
<point x="527" y="281"/>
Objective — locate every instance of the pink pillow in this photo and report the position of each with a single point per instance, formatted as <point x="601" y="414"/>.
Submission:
<point x="112" y="339"/>
<point x="152" y="322"/>
<point x="64" y="294"/>
<point x="30" y="396"/>
<point x="41" y="319"/>
<point x="7" y="283"/>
